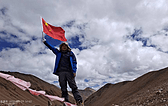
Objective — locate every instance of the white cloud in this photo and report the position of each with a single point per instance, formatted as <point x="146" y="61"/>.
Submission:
<point x="160" y="40"/>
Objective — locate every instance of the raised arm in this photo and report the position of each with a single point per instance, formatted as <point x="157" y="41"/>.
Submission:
<point x="51" y="47"/>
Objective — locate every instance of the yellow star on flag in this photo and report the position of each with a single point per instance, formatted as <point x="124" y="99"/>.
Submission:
<point x="46" y="24"/>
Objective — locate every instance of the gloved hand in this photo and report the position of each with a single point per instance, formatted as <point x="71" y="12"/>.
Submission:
<point x="74" y="75"/>
<point x="43" y="40"/>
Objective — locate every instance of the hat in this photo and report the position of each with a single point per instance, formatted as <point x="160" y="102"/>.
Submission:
<point x="65" y="43"/>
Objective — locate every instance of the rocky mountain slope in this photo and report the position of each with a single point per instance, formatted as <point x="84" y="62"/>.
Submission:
<point x="12" y="95"/>
<point x="150" y="89"/>
<point x="86" y="92"/>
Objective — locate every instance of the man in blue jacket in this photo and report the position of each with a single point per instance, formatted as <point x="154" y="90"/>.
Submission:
<point x="65" y="68"/>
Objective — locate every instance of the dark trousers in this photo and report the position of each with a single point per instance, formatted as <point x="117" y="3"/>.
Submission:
<point x="65" y="77"/>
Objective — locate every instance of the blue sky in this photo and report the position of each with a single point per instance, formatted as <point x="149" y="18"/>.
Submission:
<point x="113" y="40"/>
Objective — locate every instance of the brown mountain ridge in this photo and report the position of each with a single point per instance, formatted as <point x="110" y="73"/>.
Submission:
<point x="11" y="94"/>
<point x="150" y="89"/>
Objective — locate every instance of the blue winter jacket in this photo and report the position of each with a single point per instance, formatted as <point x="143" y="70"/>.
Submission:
<point x="58" y="57"/>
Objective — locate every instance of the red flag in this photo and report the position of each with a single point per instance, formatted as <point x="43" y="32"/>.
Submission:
<point x="54" y="32"/>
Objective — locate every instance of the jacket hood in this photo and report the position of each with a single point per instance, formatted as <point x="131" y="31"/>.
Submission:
<point x="64" y="43"/>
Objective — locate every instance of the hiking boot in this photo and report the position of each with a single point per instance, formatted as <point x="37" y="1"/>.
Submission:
<point x="79" y="103"/>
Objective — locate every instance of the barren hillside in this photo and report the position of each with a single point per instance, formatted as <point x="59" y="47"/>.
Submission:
<point x="150" y="89"/>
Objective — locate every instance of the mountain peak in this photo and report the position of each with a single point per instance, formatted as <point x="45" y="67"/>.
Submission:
<point x="148" y="89"/>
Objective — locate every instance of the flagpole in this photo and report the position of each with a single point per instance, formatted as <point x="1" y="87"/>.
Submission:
<point x="42" y="27"/>
<point x="42" y="35"/>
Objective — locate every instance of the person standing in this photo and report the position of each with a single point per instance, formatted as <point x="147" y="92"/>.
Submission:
<point x="65" y="68"/>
